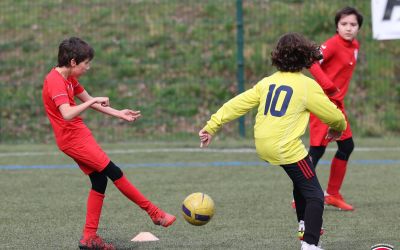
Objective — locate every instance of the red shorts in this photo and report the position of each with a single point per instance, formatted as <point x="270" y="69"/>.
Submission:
<point x="88" y="155"/>
<point x="319" y="130"/>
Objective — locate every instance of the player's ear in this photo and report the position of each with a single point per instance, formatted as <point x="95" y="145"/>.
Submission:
<point x="72" y="63"/>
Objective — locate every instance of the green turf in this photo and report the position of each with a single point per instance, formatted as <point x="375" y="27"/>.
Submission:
<point x="44" y="209"/>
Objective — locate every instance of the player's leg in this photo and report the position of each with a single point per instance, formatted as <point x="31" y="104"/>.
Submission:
<point x="91" y="159"/>
<point x="318" y="141"/>
<point x="300" y="203"/>
<point x="305" y="181"/>
<point x="316" y="153"/>
<point x="300" y="211"/>
<point x="339" y="165"/>
<point x="95" y="202"/>
<point x="337" y="174"/>
<point x="158" y="216"/>
<point x="90" y="239"/>
<point x="300" y="207"/>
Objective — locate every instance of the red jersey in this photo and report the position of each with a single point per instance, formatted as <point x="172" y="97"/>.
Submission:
<point x="56" y="91"/>
<point x="337" y="66"/>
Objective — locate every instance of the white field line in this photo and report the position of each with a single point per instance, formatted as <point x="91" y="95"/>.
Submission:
<point x="186" y="150"/>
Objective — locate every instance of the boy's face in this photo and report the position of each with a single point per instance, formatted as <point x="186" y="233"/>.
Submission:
<point x="347" y="27"/>
<point x="79" y="69"/>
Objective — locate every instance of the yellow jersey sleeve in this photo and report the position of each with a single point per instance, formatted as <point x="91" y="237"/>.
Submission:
<point x="320" y="105"/>
<point x="233" y="109"/>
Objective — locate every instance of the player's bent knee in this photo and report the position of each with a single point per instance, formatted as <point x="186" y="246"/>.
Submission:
<point x="112" y="171"/>
<point x="345" y="148"/>
<point x="99" y="182"/>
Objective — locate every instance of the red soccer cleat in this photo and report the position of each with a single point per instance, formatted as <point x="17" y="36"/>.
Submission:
<point x="337" y="200"/>
<point x="94" y="242"/>
<point x="159" y="217"/>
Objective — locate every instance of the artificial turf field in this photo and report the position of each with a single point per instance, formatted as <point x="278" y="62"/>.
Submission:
<point x="43" y="197"/>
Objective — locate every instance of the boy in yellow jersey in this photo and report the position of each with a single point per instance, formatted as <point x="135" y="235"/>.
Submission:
<point x="285" y="100"/>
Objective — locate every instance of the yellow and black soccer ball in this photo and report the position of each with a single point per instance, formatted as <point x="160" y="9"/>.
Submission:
<point x="198" y="209"/>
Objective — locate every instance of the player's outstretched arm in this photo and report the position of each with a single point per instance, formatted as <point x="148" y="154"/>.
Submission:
<point x="234" y="108"/>
<point x="69" y="112"/>
<point x="124" y="114"/>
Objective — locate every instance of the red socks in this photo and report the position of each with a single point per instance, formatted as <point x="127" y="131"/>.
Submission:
<point x="338" y="171"/>
<point x="132" y="193"/>
<point x="93" y="212"/>
<point x="95" y="203"/>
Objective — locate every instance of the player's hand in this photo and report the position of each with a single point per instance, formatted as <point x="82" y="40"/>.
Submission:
<point x="129" y="115"/>
<point x="103" y="101"/>
<point x="205" y="138"/>
<point x="333" y="135"/>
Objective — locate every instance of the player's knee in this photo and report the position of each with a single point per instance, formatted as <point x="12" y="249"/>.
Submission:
<point x="99" y="182"/>
<point x="320" y="197"/>
<point x="314" y="194"/>
<point x="112" y="171"/>
<point x="345" y="148"/>
<point x="316" y="198"/>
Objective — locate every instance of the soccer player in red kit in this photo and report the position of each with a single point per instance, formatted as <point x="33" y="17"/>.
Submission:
<point x="75" y="139"/>
<point x="334" y="73"/>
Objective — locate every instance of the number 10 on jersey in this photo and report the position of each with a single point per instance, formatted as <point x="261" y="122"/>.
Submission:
<point x="272" y="99"/>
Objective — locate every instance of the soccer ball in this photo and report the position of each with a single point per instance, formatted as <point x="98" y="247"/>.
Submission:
<point x="198" y="209"/>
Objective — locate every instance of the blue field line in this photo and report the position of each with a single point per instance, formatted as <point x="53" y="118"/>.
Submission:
<point x="193" y="164"/>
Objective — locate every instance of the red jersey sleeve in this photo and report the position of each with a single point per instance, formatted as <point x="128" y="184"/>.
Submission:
<point x="78" y="88"/>
<point x="57" y="91"/>
<point x="327" y="50"/>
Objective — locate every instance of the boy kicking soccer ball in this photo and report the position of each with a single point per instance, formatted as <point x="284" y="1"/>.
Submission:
<point x="73" y="138"/>
<point x="284" y="101"/>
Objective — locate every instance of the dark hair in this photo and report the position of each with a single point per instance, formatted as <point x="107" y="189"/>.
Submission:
<point x="349" y="11"/>
<point x="294" y="52"/>
<point x="74" y="48"/>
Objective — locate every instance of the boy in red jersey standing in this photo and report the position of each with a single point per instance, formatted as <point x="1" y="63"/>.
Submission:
<point x="76" y="140"/>
<point x="334" y="73"/>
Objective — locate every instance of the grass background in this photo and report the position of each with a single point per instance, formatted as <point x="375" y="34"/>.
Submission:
<point x="176" y="61"/>
<point x="45" y="208"/>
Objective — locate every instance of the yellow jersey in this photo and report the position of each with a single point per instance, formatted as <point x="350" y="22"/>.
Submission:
<point x="284" y="101"/>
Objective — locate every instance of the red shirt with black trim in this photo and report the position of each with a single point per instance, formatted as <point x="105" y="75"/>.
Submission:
<point x="337" y="66"/>
<point x="56" y="91"/>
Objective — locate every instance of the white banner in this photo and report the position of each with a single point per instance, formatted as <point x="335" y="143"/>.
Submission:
<point x="385" y="19"/>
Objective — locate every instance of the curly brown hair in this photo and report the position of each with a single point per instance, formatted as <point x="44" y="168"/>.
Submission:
<point x="294" y="52"/>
